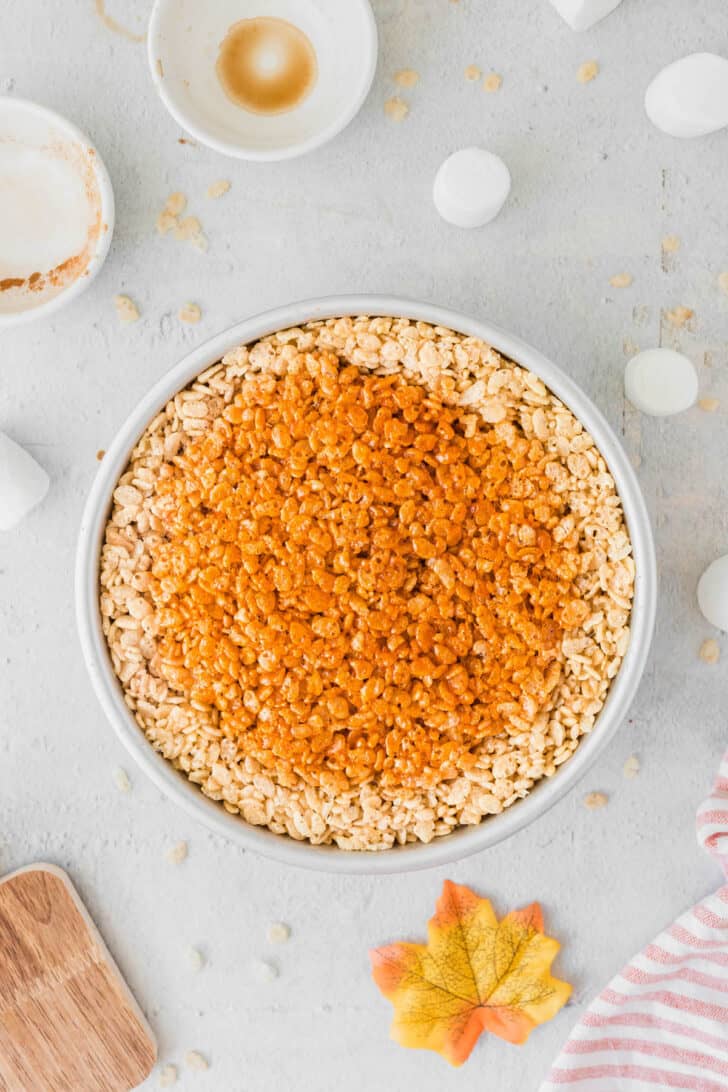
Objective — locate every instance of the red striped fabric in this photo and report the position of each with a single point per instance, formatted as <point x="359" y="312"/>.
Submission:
<point x="663" y="1021"/>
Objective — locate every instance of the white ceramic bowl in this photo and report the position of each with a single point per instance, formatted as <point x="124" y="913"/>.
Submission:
<point x="466" y="840"/>
<point x="36" y="126"/>
<point x="183" y="43"/>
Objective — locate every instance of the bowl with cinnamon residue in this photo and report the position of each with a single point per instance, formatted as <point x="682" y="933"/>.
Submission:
<point x="365" y="584"/>
<point x="262" y="85"/>
<point x="56" y="211"/>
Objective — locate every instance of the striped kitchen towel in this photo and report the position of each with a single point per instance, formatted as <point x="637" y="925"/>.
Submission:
<point x="663" y="1021"/>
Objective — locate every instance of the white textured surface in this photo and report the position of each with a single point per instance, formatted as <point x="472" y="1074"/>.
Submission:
<point x="596" y="187"/>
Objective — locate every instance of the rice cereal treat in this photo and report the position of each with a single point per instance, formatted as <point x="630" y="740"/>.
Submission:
<point x="366" y="581"/>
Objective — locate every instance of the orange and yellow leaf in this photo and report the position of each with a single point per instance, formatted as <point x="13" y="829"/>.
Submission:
<point x="474" y="974"/>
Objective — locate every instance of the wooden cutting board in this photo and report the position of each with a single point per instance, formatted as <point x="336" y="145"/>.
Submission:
<point x="68" y="1022"/>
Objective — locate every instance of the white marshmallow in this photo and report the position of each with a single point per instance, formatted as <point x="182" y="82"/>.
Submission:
<point x="689" y="98"/>
<point x="471" y="187"/>
<point x="661" y="382"/>
<point x="23" y="483"/>
<point x="713" y="593"/>
<point x="582" y="14"/>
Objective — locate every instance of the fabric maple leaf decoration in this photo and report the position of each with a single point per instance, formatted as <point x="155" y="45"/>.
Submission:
<point x="474" y="974"/>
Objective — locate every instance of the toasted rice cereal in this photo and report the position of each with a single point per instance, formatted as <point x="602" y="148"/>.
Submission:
<point x="529" y="739"/>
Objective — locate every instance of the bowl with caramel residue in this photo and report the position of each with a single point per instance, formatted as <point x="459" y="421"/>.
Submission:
<point x="263" y="86"/>
<point x="56" y="211"/>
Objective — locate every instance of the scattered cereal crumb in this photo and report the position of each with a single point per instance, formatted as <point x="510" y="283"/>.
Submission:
<point x="177" y="853"/>
<point x="278" y="932"/>
<point x="195" y="959"/>
<point x="710" y="651"/>
<point x="679" y="316"/>
<point x="166" y="221"/>
<point x="670" y="244"/>
<point x="631" y="767"/>
<point x="723" y="282"/>
<point x="265" y="971"/>
<point x="406" y="77"/>
<point x="168" y="218"/>
<point x="709" y="405"/>
<point x="100" y="454"/>
<point x="472" y="72"/>
<point x="176" y="203"/>
<point x="121" y="779"/>
<point x="217" y="189"/>
<point x="167" y="1076"/>
<point x="621" y="280"/>
<point x="190" y="312"/>
<point x="190" y="230"/>
<point x="186" y="140"/>
<point x="160" y="68"/>
<point x="493" y="82"/>
<point x="396" y="109"/>
<point x="195" y="1060"/>
<point x="187" y="228"/>
<point x="126" y="309"/>
<point x="587" y="72"/>
<point x="595" y="800"/>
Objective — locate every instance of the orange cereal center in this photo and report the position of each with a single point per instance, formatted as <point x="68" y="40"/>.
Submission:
<point x="360" y="579"/>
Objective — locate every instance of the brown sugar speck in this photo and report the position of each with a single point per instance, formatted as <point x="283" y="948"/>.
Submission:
<point x="493" y="82"/>
<point x="710" y="651"/>
<point x="595" y="800"/>
<point x="396" y="109"/>
<point x="679" y="316"/>
<point x="587" y="72"/>
<point x="406" y="77"/>
<point x="100" y="454"/>
<point x="621" y="280"/>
